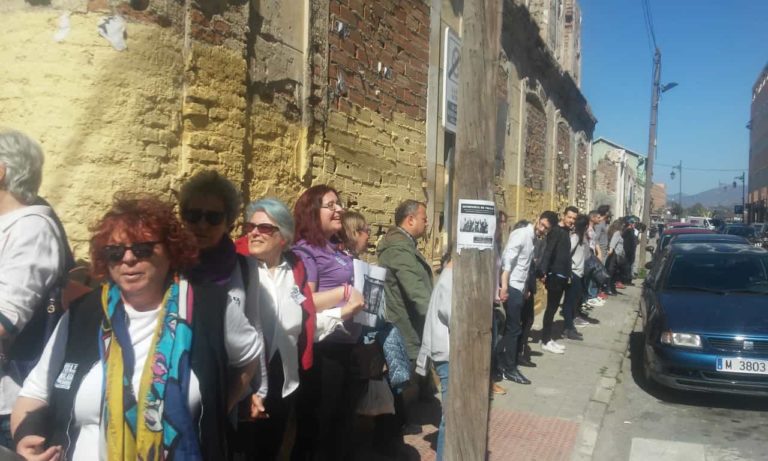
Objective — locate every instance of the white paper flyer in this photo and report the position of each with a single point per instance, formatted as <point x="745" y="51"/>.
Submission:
<point x="369" y="280"/>
<point x="477" y="224"/>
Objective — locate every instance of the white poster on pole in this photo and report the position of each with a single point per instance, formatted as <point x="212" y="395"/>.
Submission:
<point x="369" y="280"/>
<point x="476" y="224"/>
<point x="451" y="55"/>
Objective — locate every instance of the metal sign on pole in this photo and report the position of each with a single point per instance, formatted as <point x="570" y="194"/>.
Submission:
<point x="467" y="405"/>
<point x="451" y="59"/>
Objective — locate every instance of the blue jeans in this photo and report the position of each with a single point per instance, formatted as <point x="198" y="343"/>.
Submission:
<point x="591" y="288"/>
<point x="573" y="295"/>
<point x="442" y="372"/>
<point x="5" y="432"/>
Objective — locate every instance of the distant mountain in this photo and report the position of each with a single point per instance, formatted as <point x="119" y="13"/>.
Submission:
<point x="718" y="196"/>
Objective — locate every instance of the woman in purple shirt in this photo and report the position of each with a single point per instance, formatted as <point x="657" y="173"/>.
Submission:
<point x="329" y="390"/>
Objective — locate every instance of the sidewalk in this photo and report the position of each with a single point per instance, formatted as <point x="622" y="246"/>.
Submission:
<point x="557" y="417"/>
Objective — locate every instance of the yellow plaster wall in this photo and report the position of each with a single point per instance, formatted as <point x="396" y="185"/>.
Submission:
<point x="214" y="111"/>
<point x="374" y="161"/>
<point x="107" y="120"/>
<point x="276" y="145"/>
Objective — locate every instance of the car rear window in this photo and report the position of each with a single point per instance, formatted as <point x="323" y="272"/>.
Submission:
<point x="719" y="272"/>
<point x="742" y="231"/>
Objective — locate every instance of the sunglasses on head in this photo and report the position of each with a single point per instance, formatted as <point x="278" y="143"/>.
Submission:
<point x="263" y="228"/>
<point x="194" y="215"/>
<point x="141" y="250"/>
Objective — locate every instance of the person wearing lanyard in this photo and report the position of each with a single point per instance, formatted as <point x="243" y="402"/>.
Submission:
<point x="329" y="392"/>
<point x="286" y="313"/>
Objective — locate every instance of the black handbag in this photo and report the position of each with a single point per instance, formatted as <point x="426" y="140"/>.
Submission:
<point x="596" y="270"/>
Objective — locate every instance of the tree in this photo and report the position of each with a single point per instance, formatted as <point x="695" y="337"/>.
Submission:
<point x="698" y="210"/>
<point x="675" y="209"/>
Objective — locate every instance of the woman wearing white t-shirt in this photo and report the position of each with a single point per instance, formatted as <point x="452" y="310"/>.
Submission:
<point x="286" y="312"/>
<point x="138" y="369"/>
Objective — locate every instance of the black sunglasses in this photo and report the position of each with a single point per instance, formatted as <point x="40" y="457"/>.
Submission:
<point x="194" y="215"/>
<point x="264" y="228"/>
<point x="141" y="250"/>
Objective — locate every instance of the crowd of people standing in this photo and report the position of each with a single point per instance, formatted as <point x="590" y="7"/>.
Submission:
<point x="194" y="343"/>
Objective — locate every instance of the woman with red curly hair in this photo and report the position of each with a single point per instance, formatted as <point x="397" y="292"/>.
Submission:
<point x="331" y="391"/>
<point x="144" y="374"/>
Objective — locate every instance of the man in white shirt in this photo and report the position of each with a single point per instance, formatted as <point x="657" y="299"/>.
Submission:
<point x="515" y="264"/>
<point x="31" y="255"/>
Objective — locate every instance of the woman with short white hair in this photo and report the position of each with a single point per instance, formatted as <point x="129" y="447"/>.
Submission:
<point x="286" y="313"/>
<point x="32" y="253"/>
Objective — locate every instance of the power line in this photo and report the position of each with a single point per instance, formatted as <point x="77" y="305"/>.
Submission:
<point x="704" y="169"/>
<point x="648" y="17"/>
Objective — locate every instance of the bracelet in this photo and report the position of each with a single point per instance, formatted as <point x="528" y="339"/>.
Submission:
<point x="347" y="292"/>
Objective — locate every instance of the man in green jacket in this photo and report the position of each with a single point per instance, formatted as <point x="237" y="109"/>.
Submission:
<point x="409" y="275"/>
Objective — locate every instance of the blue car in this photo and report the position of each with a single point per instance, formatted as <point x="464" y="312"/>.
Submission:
<point x="705" y="318"/>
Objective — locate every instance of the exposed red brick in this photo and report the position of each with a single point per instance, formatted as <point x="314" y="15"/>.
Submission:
<point x="97" y="5"/>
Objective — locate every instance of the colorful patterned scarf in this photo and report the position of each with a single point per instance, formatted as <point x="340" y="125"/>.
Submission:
<point x="159" y="425"/>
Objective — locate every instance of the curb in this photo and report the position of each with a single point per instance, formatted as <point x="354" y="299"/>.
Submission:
<point x="603" y="393"/>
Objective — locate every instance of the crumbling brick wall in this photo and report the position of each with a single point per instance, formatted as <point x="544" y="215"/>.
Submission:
<point x="375" y="131"/>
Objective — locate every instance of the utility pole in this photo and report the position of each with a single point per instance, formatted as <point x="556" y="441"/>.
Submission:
<point x="473" y="282"/>
<point x="680" y="190"/>
<point x="679" y="168"/>
<point x="743" y="178"/>
<point x="655" y="92"/>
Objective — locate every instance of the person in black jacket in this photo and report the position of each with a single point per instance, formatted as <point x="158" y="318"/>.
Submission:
<point x="555" y="271"/>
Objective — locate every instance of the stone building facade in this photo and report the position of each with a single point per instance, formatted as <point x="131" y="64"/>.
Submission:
<point x="618" y="178"/>
<point x="282" y="95"/>
<point x="757" y="198"/>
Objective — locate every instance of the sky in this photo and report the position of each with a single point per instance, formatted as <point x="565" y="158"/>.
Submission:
<point x="714" y="49"/>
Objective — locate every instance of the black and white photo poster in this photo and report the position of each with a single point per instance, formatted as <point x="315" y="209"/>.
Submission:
<point x="369" y="280"/>
<point x="476" y="224"/>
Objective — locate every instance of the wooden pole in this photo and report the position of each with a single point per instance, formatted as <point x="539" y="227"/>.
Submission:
<point x="646" y="218"/>
<point x="473" y="280"/>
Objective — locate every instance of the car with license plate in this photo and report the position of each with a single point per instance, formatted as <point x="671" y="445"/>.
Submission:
<point x="705" y="318"/>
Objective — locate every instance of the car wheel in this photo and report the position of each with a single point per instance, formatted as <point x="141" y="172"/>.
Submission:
<point x="647" y="364"/>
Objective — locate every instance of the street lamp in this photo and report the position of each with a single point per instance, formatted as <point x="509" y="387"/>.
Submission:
<point x="679" y="168"/>
<point x="743" y="195"/>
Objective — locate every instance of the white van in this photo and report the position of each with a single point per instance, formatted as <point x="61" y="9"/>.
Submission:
<point x="700" y="221"/>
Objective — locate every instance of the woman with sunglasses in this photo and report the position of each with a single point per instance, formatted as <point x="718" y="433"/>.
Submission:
<point x="287" y="315"/>
<point x="355" y="233"/>
<point x="146" y="367"/>
<point x="329" y="393"/>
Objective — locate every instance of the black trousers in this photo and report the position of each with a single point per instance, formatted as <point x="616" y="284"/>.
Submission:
<point x="526" y="322"/>
<point x="262" y="439"/>
<point x="506" y="350"/>
<point x="327" y="400"/>
<point x="555" y="288"/>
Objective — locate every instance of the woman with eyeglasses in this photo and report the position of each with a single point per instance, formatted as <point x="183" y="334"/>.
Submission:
<point x="355" y="233"/>
<point x="329" y="393"/>
<point x="149" y="365"/>
<point x="287" y="316"/>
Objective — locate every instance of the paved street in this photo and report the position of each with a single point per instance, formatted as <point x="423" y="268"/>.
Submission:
<point x="592" y="404"/>
<point x="558" y="416"/>
<point x="645" y="422"/>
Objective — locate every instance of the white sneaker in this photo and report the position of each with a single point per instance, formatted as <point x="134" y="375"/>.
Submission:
<point x="595" y="302"/>
<point x="551" y="346"/>
<point x="558" y="345"/>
